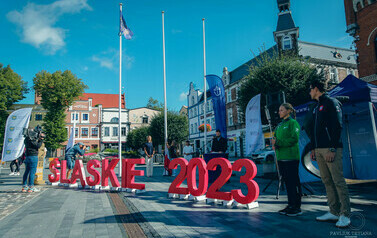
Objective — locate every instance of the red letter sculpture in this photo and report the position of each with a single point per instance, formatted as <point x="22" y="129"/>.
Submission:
<point x="55" y="176"/>
<point x="108" y="172"/>
<point x="253" y="188"/>
<point x="78" y="173"/>
<point x="94" y="172"/>
<point x="131" y="173"/>
<point x="63" y="171"/>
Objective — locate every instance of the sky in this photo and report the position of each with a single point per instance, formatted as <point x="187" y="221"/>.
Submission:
<point x="82" y="36"/>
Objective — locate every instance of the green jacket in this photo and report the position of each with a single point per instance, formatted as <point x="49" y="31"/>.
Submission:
<point x="286" y="145"/>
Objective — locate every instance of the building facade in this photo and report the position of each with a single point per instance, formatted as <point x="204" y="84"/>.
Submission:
<point x="336" y="62"/>
<point x="140" y="117"/>
<point x="109" y="128"/>
<point x="361" y="22"/>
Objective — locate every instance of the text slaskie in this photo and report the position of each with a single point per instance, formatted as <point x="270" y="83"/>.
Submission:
<point x="95" y="178"/>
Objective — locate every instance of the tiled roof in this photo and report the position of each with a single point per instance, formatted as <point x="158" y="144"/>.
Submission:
<point x="107" y="100"/>
<point x="285" y="22"/>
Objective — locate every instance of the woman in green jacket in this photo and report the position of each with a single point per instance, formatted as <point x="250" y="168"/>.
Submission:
<point x="288" y="155"/>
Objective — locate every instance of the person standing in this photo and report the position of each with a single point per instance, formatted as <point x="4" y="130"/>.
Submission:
<point x="173" y="154"/>
<point x="285" y="144"/>
<point x="149" y="153"/>
<point x="70" y="156"/>
<point x="188" y="151"/>
<point x="325" y="129"/>
<point x="219" y="143"/>
<point x="32" y="144"/>
<point x="16" y="171"/>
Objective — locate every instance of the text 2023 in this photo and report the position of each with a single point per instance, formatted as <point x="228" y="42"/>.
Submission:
<point x="188" y="170"/>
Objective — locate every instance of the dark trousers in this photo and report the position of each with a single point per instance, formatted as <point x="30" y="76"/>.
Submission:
<point x="17" y="166"/>
<point x="289" y="173"/>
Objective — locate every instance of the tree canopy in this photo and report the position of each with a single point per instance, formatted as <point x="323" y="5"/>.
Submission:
<point x="137" y="137"/>
<point x="12" y="89"/>
<point x="155" y="104"/>
<point x="274" y="73"/>
<point x="58" y="91"/>
<point x="177" y="128"/>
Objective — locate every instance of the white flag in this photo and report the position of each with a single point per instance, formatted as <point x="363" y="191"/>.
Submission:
<point x="13" y="138"/>
<point x="254" y="132"/>
<point x="71" y="140"/>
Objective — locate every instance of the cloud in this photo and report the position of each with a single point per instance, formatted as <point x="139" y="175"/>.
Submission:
<point x="110" y="59"/>
<point x="37" y="23"/>
<point x="183" y="96"/>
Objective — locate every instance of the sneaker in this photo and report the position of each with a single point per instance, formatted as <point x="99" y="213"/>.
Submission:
<point x="292" y="212"/>
<point x="343" y="222"/>
<point x="33" y="189"/>
<point x="327" y="217"/>
<point x="17" y="174"/>
<point x="284" y="211"/>
<point x="24" y="189"/>
<point x="12" y="173"/>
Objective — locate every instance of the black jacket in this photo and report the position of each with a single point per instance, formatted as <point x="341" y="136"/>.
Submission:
<point x="32" y="146"/>
<point x="219" y="145"/>
<point x="324" y="123"/>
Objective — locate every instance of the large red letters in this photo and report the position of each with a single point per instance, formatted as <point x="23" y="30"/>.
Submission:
<point x="131" y="173"/>
<point x="63" y="170"/>
<point x="96" y="176"/>
<point x="55" y="176"/>
<point x="108" y="172"/>
<point x="78" y="173"/>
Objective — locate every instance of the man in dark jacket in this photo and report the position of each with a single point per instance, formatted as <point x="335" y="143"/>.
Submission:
<point x="32" y="144"/>
<point x="324" y="129"/>
<point x="70" y="156"/>
<point x="219" y="143"/>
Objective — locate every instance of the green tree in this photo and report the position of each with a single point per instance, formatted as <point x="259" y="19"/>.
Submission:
<point x="155" y="104"/>
<point x="177" y="128"/>
<point x="137" y="137"/>
<point x="273" y="73"/>
<point x="58" y="91"/>
<point x="12" y="89"/>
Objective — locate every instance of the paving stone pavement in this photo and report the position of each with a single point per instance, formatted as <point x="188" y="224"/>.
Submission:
<point x="181" y="218"/>
<point x="64" y="212"/>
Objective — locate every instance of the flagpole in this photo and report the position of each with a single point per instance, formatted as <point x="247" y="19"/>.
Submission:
<point x="164" y="65"/>
<point x="120" y="99"/>
<point x="205" y="87"/>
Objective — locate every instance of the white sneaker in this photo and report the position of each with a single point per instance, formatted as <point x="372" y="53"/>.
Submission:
<point x="327" y="217"/>
<point x="12" y="173"/>
<point x="17" y="174"/>
<point x="343" y="222"/>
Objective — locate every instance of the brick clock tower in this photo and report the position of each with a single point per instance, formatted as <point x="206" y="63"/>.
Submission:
<point x="361" y="18"/>
<point x="286" y="33"/>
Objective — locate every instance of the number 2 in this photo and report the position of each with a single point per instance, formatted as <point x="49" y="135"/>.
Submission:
<point x="174" y="187"/>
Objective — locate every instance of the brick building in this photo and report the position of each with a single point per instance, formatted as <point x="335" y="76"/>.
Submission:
<point x="361" y="22"/>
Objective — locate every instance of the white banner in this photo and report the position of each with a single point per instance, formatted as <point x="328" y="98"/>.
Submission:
<point x="13" y="138"/>
<point x="254" y="132"/>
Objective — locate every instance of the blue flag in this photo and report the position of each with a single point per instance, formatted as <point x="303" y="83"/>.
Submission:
<point x="218" y="98"/>
<point x="123" y="29"/>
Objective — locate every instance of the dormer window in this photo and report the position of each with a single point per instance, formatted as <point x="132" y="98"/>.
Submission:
<point x="287" y="43"/>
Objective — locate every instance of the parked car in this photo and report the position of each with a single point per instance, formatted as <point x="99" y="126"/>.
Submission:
<point x="266" y="155"/>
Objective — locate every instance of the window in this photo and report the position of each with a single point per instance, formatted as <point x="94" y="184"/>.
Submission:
<point x="115" y="131"/>
<point x="84" y="131"/>
<point x="229" y="96"/>
<point x="191" y="129"/>
<point x="124" y="130"/>
<point x="114" y="120"/>
<point x="85" y="116"/>
<point x="238" y="92"/>
<point x="75" y="116"/>
<point x="38" y="117"/>
<point x="145" y="119"/>
<point x="213" y="123"/>
<point x="95" y="131"/>
<point x="350" y="71"/>
<point x="287" y="43"/>
<point x="334" y="75"/>
<point x="230" y="117"/>
<point x="201" y="109"/>
<point x="239" y="116"/>
<point x="107" y="131"/>
<point x="76" y="132"/>
<point x="196" y="127"/>
<point x="192" y="100"/>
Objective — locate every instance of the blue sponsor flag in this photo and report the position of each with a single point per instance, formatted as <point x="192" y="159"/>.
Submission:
<point x="218" y="98"/>
<point x="123" y="29"/>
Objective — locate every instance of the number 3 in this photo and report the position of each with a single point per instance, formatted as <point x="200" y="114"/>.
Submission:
<point x="253" y="188"/>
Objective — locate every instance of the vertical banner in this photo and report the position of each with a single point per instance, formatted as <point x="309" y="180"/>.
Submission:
<point x="254" y="132"/>
<point x="13" y="138"/>
<point x="218" y="98"/>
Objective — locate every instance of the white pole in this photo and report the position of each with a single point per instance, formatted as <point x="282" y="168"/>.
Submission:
<point x="164" y="65"/>
<point x="120" y="99"/>
<point x="205" y="88"/>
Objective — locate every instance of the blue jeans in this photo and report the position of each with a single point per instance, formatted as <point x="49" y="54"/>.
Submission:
<point x="31" y="163"/>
